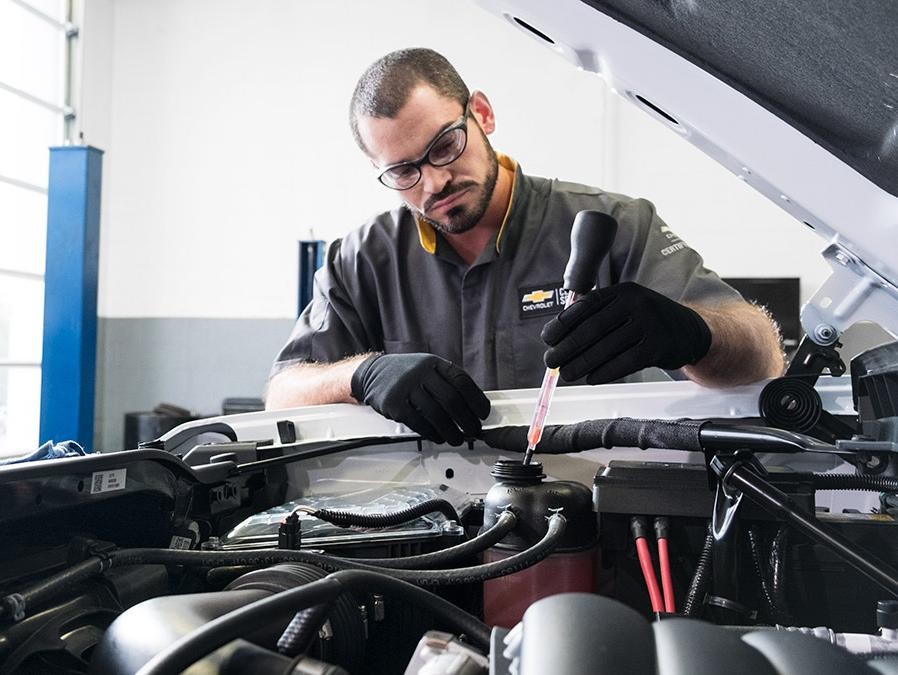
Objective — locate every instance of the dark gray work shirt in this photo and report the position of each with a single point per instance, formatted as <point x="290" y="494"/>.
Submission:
<point x="395" y="285"/>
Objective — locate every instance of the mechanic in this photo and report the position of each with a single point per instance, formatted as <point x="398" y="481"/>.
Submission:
<point x="423" y="307"/>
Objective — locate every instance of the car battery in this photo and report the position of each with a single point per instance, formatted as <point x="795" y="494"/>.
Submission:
<point x="424" y="534"/>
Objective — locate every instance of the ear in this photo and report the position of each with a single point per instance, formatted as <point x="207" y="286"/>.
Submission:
<point x="482" y="111"/>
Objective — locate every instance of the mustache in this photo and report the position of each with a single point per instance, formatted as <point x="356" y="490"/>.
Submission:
<point x="449" y="190"/>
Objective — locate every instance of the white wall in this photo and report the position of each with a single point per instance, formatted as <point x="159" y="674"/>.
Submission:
<point x="227" y="141"/>
<point x="229" y="138"/>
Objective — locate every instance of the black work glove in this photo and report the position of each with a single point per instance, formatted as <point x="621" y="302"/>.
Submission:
<point x="432" y="396"/>
<point x="615" y="331"/>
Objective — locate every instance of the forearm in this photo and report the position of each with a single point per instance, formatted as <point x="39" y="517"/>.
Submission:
<point x="745" y="346"/>
<point x="312" y="384"/>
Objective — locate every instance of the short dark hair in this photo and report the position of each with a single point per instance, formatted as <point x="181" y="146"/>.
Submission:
<point x="386" y="85"/>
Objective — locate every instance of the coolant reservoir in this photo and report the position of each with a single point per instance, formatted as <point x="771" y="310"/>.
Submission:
<point x="573" y="565"/>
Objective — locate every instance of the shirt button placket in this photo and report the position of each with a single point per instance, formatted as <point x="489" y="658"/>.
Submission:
<point x="474" y="347"/>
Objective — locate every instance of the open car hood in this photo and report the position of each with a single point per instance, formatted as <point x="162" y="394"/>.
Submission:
<point x="799" y="99"/>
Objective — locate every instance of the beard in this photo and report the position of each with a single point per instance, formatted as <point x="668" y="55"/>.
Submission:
<point x="461" y="218"/>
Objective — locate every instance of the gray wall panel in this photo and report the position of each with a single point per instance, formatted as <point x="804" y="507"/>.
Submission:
<point x="194" y="363"/>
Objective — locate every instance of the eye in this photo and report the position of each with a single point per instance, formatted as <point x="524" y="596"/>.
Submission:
<point x="447" y="148"/>
<point x="402" y="173"/>
<point x="401" y="177"/>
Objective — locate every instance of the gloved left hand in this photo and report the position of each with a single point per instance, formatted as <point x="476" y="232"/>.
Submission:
<point x="430" y="395"/>
<point x="612" y="332"/>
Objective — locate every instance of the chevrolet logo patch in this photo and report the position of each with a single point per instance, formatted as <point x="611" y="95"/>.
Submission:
<point x="538" y="296"/>
<point x="543" y="300"/>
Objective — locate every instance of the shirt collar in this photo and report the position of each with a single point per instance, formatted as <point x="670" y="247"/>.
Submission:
<point x="427" y="236"/>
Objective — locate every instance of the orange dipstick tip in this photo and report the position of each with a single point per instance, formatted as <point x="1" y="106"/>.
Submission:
<point x="533" y="437"/>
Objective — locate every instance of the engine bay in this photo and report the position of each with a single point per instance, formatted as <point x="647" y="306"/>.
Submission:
<point x="663" y="529"/>
<point x="225" y="558"/>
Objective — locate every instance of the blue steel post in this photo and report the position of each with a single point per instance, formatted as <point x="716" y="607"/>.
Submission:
<point x="68" y="365"/>
<point x="311" y="255"/>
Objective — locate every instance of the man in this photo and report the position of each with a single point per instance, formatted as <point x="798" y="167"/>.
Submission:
<point x="421" y="308"/>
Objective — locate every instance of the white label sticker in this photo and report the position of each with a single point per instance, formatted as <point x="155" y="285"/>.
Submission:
<point x="107" y="481"/>
<point x="178" y="542"/>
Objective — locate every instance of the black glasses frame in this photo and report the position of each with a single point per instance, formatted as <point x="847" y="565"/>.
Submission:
<point x="460" y="125"/>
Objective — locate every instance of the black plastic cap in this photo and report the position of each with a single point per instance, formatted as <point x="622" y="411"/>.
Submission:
<point x="511" y="470"/>
<point x="887" y="614"/>
<point x="639" y="527"/>
<point x="591" y="238"/>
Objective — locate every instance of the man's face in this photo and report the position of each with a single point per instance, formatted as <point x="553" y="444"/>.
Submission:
<point x="452" y="198"/>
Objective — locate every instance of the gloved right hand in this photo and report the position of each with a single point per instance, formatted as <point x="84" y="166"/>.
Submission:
<point x="432" y="396"/>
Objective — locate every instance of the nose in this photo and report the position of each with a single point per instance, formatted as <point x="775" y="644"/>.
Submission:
<point x="434" y="178"/>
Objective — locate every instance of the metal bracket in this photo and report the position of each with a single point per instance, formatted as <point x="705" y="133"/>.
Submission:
<point x="723" y="464"/>
<point x="726" y="499"/>
<point x="811" y="359"/>
<point x="870" y="457"/>
<point x="853" y="292"/>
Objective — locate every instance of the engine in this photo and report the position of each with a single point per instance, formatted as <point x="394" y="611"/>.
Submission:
<point x="223" y="561"/>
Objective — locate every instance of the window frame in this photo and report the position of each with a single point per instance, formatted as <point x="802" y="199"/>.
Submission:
<point x="70" y="65"/>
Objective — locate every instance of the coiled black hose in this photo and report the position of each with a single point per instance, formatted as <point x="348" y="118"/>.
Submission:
<point x="302" y="629"/>
<point x="503" y="525"/>
<point x="351" y="519"/>
<point x="212" y="635"/>
<point x="848" y="481"/>
<point x="754" y="545"/>
<point x="15" y="605"/>
<point x="696" y="593"/>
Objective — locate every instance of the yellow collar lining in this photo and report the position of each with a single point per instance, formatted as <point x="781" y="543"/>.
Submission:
<point x="427" y="236"/>
<point x="512" y="166"/>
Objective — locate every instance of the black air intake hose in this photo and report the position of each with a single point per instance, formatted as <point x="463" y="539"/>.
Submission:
<point x="350" y="519"/>
<point x="218" y="632"/>
<point x="15" y="605"/>
<point x="346" y="643"/>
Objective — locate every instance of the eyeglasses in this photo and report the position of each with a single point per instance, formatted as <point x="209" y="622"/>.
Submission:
<point x="444" y="149"/>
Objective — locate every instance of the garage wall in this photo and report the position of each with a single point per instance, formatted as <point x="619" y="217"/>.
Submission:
<point x="230" y="138"/>
<point x="224" y="125"/>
